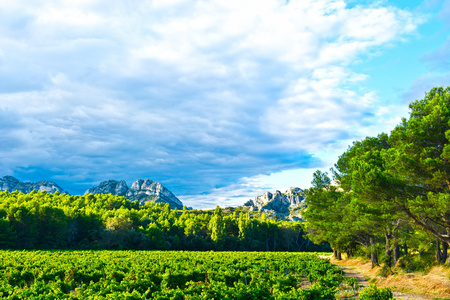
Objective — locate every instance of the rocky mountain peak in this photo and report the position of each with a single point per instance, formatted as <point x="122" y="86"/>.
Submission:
<point x="143" y="185"/>
<point x="7" y="183"/>
<point x="114" y="187"/>
<point x="11" y="184"/>
<point x="281" y="204"/>
<point x="142" y="190"/>
<point x="147" y="190"/>
<point x="294" y="191"/>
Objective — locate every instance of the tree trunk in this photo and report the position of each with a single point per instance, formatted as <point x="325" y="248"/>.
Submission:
<point x="438" y="251"/>
<point x="339" y="255"/>
<point x="373" y="253"/>
<point x="427" y="227"/>
<point x="374" y="258"/>
<point x="306" y="242"/>
<point x="444" y="252"/>
<point x="405" y="249"/>
<point x="388" y="250"/>
<point x="396" y="253"/>
<point x="335" y="253"/>
<point x="296" y="240"/>
<point x="441" y="256"/>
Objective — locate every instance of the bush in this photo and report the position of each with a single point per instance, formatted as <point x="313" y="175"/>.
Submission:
<point x="385" y="271"/>
<point x="374" y="293"/>
<point x="411" y="262"/>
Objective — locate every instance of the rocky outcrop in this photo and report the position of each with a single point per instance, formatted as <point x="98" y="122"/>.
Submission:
<point x="7" y="183"/>
<point x="282" y="204"/>
<point x="114" y="187"/>
<point x="11" y="184"/>
<point x="141" y="191"/>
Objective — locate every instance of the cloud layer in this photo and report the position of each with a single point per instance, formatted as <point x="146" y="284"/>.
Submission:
<point x="198" y="95"/>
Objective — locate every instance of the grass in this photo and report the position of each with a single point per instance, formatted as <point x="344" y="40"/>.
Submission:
<point x="348" y="290"/>
<point x="434" y="283"/>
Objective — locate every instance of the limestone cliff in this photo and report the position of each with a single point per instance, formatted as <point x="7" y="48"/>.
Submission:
<point x="284" y="204"/>
<point x="11" y="184"/>
<point x="114" y="187"/>
<point x="141" y="190"/>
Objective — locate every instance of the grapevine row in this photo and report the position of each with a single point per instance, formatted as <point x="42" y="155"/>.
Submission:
<point x="166" y="275"/>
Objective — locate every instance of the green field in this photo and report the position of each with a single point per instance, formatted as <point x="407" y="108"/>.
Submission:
<point x="166" y="275"/>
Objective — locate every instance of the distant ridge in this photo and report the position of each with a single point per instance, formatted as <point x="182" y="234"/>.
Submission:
<point x="11" y="184"/>
<point x="141" y="190"/>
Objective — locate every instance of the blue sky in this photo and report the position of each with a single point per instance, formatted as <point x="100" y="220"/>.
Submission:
<point x="218" y="100"/>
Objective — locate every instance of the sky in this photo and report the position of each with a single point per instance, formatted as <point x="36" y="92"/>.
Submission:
<point x="218" y="100"/>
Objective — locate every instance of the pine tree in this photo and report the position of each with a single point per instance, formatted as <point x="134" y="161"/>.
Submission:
<point x="217" y="225"/>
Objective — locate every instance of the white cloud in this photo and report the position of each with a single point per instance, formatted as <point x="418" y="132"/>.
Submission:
<point x="247" y="188"/>
<point x="198" y="93"/>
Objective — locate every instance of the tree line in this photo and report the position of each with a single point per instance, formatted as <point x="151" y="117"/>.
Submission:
<point x="41" y="220"/>
<point x="390" y="194"/>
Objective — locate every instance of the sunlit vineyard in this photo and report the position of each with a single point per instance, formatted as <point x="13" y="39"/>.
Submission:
<point x="166" y="275"/>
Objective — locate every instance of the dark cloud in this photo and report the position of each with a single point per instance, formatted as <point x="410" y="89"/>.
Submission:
<point x="196" y="96"/>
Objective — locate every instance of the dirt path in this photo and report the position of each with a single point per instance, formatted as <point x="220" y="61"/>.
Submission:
<point x="361" y="280"/>
<point x="398" y="295"/>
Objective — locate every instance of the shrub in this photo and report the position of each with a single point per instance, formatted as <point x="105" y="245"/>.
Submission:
<point x="374" y="293"/>
<point x="411" y="262"/>
<point x="385" y="271"/>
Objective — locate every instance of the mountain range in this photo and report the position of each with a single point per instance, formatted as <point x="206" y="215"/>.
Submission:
<point x="11" y="184"/>
<point x="286" y="205"/>
<point x="141" y="190"/>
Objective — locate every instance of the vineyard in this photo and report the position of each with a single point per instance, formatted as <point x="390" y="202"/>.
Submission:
<point x="166" y="275"/>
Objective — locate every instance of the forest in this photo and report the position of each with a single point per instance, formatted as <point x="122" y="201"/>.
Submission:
<point x="41" y="220"/>
<point x="387" y="197"/>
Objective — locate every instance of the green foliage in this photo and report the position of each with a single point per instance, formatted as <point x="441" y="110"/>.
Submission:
<point x="420" y="158"/>
<point x="40" y="220"/>
<point x="165" y="275"/>
<point x="217" y="225"/>
<point x="7" y="234"/>
<point x="325" y="212"/>
<point x="353" y="283"/>
<point x="387" y="191"/>
<point x="415" y="262"/>
<point x="385" y="271"/>
<point x="374" y="293"/>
